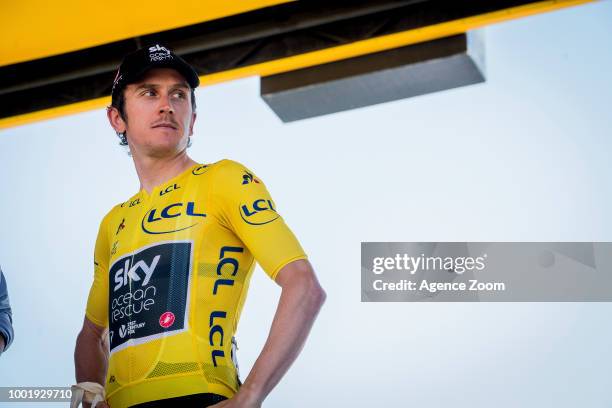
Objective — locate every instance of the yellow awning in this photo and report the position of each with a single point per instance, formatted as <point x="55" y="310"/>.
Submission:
<point x="33" y="29"/>
<point x="310" y="59"/>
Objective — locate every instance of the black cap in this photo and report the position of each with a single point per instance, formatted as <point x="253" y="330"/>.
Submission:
<point x="134" y="65"/>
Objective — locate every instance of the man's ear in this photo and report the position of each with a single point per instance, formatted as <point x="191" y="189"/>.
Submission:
<point x="115" y="120"/>
<point x="193" y="119"/>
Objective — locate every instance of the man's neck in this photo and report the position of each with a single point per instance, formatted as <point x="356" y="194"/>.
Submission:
<point x="155" y="171"/>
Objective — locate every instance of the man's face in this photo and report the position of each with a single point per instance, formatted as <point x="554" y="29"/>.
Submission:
<point x="159" y="113"/>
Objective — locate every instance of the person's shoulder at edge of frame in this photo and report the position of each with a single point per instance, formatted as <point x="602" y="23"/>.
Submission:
<point x="6" y="316"/>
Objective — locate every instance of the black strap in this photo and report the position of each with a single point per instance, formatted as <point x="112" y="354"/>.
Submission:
<point x="187" y="401"/>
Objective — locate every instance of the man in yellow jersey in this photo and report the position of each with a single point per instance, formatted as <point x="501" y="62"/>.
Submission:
<point x="172" y="264"/>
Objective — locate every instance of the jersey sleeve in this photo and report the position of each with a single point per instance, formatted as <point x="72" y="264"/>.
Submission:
<point x="97" y="302"/>
<point x="246" y="207"/>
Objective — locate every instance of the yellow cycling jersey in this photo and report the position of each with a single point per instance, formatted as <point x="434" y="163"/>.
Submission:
<point x="172" y="270"/>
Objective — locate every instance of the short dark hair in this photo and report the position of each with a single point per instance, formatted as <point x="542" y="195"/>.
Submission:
<point x="119" y="103"/>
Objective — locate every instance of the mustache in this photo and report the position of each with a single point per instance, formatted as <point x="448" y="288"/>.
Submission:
<point x="166" y="121"/>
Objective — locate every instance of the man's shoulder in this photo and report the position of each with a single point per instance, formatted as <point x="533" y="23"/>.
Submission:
<point x="229" y="165"/>
<point x="110" y="214"/>
<point x="216" y="169"/>
<point x="228" y="169"/>
<point x="231" y="178"/>
<point x="130" y="202"/>
<point x="115" y="210"/>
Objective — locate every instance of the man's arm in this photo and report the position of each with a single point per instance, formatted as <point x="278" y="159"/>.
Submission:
<point x="300" y="302"/>
<point x="91" y="353"/>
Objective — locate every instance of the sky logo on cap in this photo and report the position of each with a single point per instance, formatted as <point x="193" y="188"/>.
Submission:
<point x="159" y="53"/>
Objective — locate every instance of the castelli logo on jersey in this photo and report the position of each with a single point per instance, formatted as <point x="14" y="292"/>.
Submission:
<point x="166" y="320"/>
<point x="259" y="212"/>
<point x="172" y="218"/>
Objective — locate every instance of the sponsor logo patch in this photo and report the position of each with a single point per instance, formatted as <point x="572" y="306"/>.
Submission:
<point x="148" y="293"/>
<point x="166" y="319"/>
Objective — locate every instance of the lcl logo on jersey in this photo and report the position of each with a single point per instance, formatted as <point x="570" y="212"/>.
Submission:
<point x="172" y="218"/>
<point x="200" y="170"/>
<point x="260" y="212"/>
<point x="169" y="189"/>
<point x="131" y="203"/>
